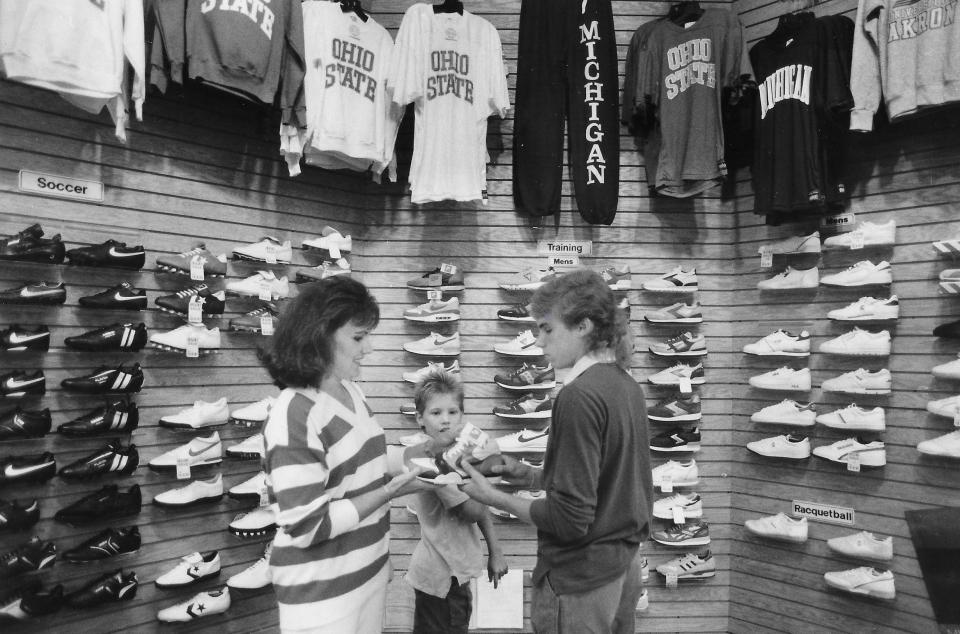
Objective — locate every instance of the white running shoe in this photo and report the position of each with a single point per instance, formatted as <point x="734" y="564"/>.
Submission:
<point x="182" y="338"/>
<point x="867" y="581"/>
<point x="529" y="280"/>
<point x="199" y="416"/>
<point x="330" y="240"/>
<point x="250" y="488"/>
<point x="197" y="492"/>
<point x="269" y="249"/>
<point x="191" y="569"/>
<point x="435" y="311"/>
<point x="949" y="406"/>
<point x="863" y="273"/>
<point x="783" y="379"/>
<point x="870" y="454"/>
<point x="791" y="446"/>
<point x="324" y="270"/>
<point x="791" y="279"/>
<point x="947" y="446"/>
<point x="781" y="343"/>
<point x="200" y="451"/>
<point x="868" y="309"/>
<point x="261" y="283"/>
<point x="674" y="281"/>
<point x="781" y="527"/>
<point x="859" y="343"/>
<point x="200" y="605"/>
<point x="251" y="448"/>
<point x="524" y="441"/>
<point x="523" y="345"/>
<point x="675" y="375"/>
<point x="689" y="503"/>
<point x="254" y="413"/>
<point x="435" y="345"/>
<point x="854" y="418"/>
<point x="949" y="370"/>
<point x="679" y="313"/>
<point x="786" y="412"/>
<point x="863" y="545"/>
<point x="618" y="279"/>
<point x="793" y="245"/>
<point x="255" y="576"/>
<point x="866" y="233"/>
<point x="431" y="368"/>
<point x="860" y="381"/>
<point x="680" y="474"/>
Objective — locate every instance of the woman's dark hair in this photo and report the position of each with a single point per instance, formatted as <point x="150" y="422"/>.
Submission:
<point x="300" y="352"/>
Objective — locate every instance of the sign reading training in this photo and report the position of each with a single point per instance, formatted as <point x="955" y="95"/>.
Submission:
<point x="51" y="185"/>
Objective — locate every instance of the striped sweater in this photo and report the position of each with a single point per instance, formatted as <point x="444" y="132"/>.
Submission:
<point x="319" y="455"/>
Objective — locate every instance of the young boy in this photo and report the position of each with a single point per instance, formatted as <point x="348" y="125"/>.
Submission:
<point x="449" y="553"/>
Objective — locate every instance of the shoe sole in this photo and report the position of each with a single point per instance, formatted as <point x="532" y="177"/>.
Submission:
<point x="186" y="427"/>
<point x="678" y="320"/>
<point x="184" y="314"/>
<point x="681" y="418"/>
<point x="23" y="394"/>
<point x="808" y="287"/>
<point x="526" y="388"/>
<point x="92" y="434"/>
<point x="84" y="390"/>
<point x="198" y="465"/>
<point x="847" y="353"/>
<point x="524" y="416"/>
<point x="205" y="500"/>
<point x="84" y="562"/>
<point x="432" y="319"/>
<point x="163" y="346"/>
<point x="856" y="285"/>
<point x="77" y="523"/>
<point x="529" y="320"/>
<point x="86" y="348"/>
<point x="244" y="532"/>
<point x="689" y="483"/>
<point x="863" y="463"/>
<point x="310" y="247"/>
<point x="240" y="257"/>
<point x="126" y="307"/>
<point x="433" y="353"/>
<point x="242" y="328"/>
<point x="779" y="538"/>
<point x="695" y="575"/>
<point x="778" y="456"/>
<point x="867" y="593"/>
<point x="860" y="391"/>
<point x="696" y="381"/>
<point x="514" y="353"/>
<point x="30" y="478"/>
<point x="687" y="353"/>
<point x="178" y="271"/>
<point x="693" y="446"/>
<point x="192" y="583"/>
<point x="873" y="428"/>
<point x="696" y="541"/>
<point x="246" y="422"/>
<point x="34" y="302"/>
<point x="686" y="514"/>
<point x="89" y="476"/>
<point x="27" y="348"/>
<point x="779" y="421"/>
<point x="244" y="455"/>
<point x="778" y="354"/>
<point x="521" y="287"/>
<point x="781" y="388"/>
<point x="679" y="289"/>
<point x="448" y="288"/>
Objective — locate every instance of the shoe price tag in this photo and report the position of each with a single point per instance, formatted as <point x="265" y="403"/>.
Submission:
<point x="856" y="240"/>
<point x="334" y="251"/>
<point x="678" y="517"/>
<point x="265" y="293"/>
<point x="686" y="387"/>
<point x="196" y="269"/>
<point x="956" y="418"/>
<point x="183" y="468"/>
<point x="266" y="325"/>
<point x="193" y="347"/>
<point x="270" y="254"/>
<point x="449" y="269"/>
<point x="435" y="295"/>
<point x="853" y="463"/>
<point x="672" y="580"/>
<point x="526" y="338"/>
<point x="195" y="310"/>
<point x="666" y="484"/>
<point x="264" y="496"/>
<point x="766" y="259"/>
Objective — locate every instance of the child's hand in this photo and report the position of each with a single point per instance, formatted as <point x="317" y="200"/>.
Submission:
<point x="496" y="567"/>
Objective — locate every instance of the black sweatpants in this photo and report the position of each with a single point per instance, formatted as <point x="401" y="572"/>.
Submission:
<point x="566" y="69"/>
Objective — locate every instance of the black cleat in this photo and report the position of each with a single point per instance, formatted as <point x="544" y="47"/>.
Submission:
<point x="179" y="303"/>
<point x="123" y="296"/>
<point x="30" y="468"/>
<point x="38" y="293"/>
<point x="115" y="337"/>
<point x="115" y="417"/>
<point x="16" y="517"/>
<point x="111" y="458"/>
<point x="17" y="339"/>
<point x="108" y="503"/>
<point x="18" y="384"/>
<point x="30" y="556"/>
<point x="105" y="380"/>
<point x="43" y="602"/>
<point x="110" y="588"/>
<point x="29" y="249"/>
<point x="111" y="253"/>
<point x="104" y="545"/>
<point x="250" y="322"/>
<point x="10" y="603"/>
<point x="17" y="424"/>
<point x="33" y="232"/>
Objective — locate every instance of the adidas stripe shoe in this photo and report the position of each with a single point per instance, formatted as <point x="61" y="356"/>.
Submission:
<point x="110" y="542"/>
<point x="685" y="344"/>
<point x="676" y="410"/>
<point x="116" y="416"/>
<point x="178" y="303"/>
<point x="528" y="406"/>
<point x="106" y="380"/>
<point x="677" y="440"/>
<point x="30" y="556"/>
<point x="679" y="313"/>
<point x="695" y="533"/>
<point x="115" y="337"/>
<point x="690" y="566"/>
<point x="111" y="458"/>
<point x="674" y="281"/>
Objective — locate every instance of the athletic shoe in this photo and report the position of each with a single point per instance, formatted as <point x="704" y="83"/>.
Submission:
<point x="17" y="339"/>
<point x="529" y="280"/>
<point x="868" y="309"/>
<point x="117" y="416"/>
<point x="199" y="452"/>
<point x="524" y="441"/>
<point x="950" y="281"/>
<point x="675" y="410"/>
<point x="201" y="604"/>
<point x="18" y="384"/>
<point x="947" y="445"/>
<point x="123" y="296"/>
<point x="269" y="250"/>
<point x="949" y="406"/>
<point x="947" y="247"/>
<point x="527" y="406"/>
<point x="517" y="312"/>
<point x="27" y="468"/>
<point x="859" y="343"/>
<point x="528" y="376"/>
<point x="408" y="409"/>
<point x="854" y="418"/>
<point x="869" y="454"/>
<point x="250" y="488"/>
<point x="251" y="448"/>
<point x="643" y="603"/>
<point x="781" y="527"/>
<point x="29" y="556"/>
<point x="111" y="254"/>
<point x="689" y="503"/>
<point x="256" y="576"/>
<point x="414" y="439"/>
<point x="29" y="249"/>
<point x="324" y="270"/>
<point x="108" y="503"/>
<point x="253" y="320"/>
<point x="675" y="375"/>
<point x="431" y="368"/>
<point x="181" y="263"/>
<point x="866" y="233"/>
<point x="791" y="279"/>
<point x="678" y="473"/>
<point x="679" y="313"/>
<point x="674" y="281"/>
<point x="438" y="280"/>
<point x="435" y="345"/>
<point x="695" y="533"/>
<point x="106" y="380"/>
<point x="33" y="232"/>
<point x="330" y="240"/>
<point x="115" y="337"/>
<point x="950" y="330"/>
<point x="178" y="303"/>
<point x="435" y="311"/>
<point x="18" y="423"/>
<point x="786" y="412"/>
<point x="865" y="581"/>
<point x="793" y="245"/>
<point x="523" y="345"/>
<point x="10" y="603"/>
<point x="112" y="587"/>
<point x="793" y="446"/>
<point x="38" y="293"/>
<point x="259" y="521"/>
<point x="860" y="381"/>
<point x="863" y="545"/>
<point x="39" y="602"/>
<point x="686" y="344"/>
<point x="197" y="492"/>
<point x="690" y="566"/>
<point x="199" y="416"/>
<point x="618" y="279"/>
<point x="254" y="413"/>
<point x="260" y="284"/>
<point x="111" y="458"/>
<point x="676" y="440"/>
<point x="863" y="273"/>
<point x="15" y="516"/>
<point x="108" y="543"/>
<point x="180" y="339"/>
<point x="949" y="370"/>
<point x="781" y="343"/>
<point x="783" y="379"/>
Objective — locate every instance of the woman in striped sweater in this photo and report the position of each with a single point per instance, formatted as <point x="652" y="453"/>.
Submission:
<point x="326" y="466"/>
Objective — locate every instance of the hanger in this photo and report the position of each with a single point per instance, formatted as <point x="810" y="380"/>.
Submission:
<point x="449" y="6"/>
<point x="353" y="5"/>
<point x="683" y="12"/>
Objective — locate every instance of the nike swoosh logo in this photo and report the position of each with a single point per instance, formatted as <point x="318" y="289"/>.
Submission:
<point x="121" y="298"/>
<point x="27" y="292"/>
<point x="11" y="471"/>
<point x="18" y="338"/>
<point x="116" y="254"/>
<point x="531" y="438"/>
<point x="197" y="453"/>
<point x="125" y="589"/>
<point x="14" y="384"/>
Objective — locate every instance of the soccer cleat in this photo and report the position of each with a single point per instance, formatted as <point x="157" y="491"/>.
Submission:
<point x="679" y="373"/>
<point x="689" y="566"/>
<point x="868" y="309"/>
<point x="431" y="368"/>
<point x="15" y="516"/>
<point x="674" y="281"/>
<point x="41" y="602"/>
<point x="676" y="410"/>
<point x="181" y="339"/>
<point x="34" y="249"/>
<point x="529" y="280"/>
<point x="689" y="503"/>
<point x="695" y="533"/>
<point x="523" y="345"/>
<point x="528" y="376"/>
<point x="251" y="448"/>
<point x="528" y="406"/>
<point x="949" y="370"/>
<point x="110" y="254"/>
<point x="27" y="468"/>
<point x="116" y="416"/>
<point x="202" y="604"/>
<point x="259" y="521"/>
<point x="33" y="232"/>
<point x="199" y="416"/>
<point x="11" y="602"/>
<point x="29" y="556"/>
<point x="17" y="424"/>
<point x="253" y="320"/>
<point x="18" y="384"/>
<point x="252" y="414"/>
<point x="524" y="441"/>
<point x="781" y="527"/>
<point x="323" y="271"/>
<point x="438" y="280"/>
<point x="677" y="440"/>
<point x="786" y="412"/>
<point x="330" y="240"/>
<point x="249" y="489"/>
<point x="863" y="273"/>
<point x="946" y="446"/>
<point x="108" y="543"/>
<point x="677" y="473"/>
<point x="108" y="503"/>
<point x="110" y="588"/>
<point x="37" y="293"/>
<point x="793" y="446"/>
<point x="868" y="454"/>
<point x="517" y="312"/>
<point x="206" y="262"/>
<point x="197" y="492"/>
<point x="18" y="339"/>
<point x="435" y="311"/>
<point x="123" y="296"/>
<point x="256" y="576"/>
<point x="111" y="458"/>
<point x="866" y="581"/>
<point x="269" y="249"/>
<point x="865" y="234"/>
<point x="435" y="345"/>
<point x="211" y="304"/>
<point x="105" y="380"/>
<point x="863" y="545"/>
<point x="685" y="344"/>
<point x="261" y="284"/>
<point x="859" y="343"/>
<point x="854" y="418"/>
<point x="793" y="245"/>
<point x="860" y="381"/>
<point x="781" y="343"/>
<point x="791" y="279"/>
<point x="115" y="337"/>
<point x="618" y="279"/>
<point x="679" y="313"/>
<point x="783" y="379"/>
<point x="199" y="452"/>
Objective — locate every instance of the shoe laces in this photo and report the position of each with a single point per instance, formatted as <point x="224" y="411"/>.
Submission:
<point x="16" y="552"/>
<point x="194" y="251"/>
<point x="193" y="290"/>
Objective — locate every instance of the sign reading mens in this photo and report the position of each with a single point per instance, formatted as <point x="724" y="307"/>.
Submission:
<point x="52" y="185"/>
